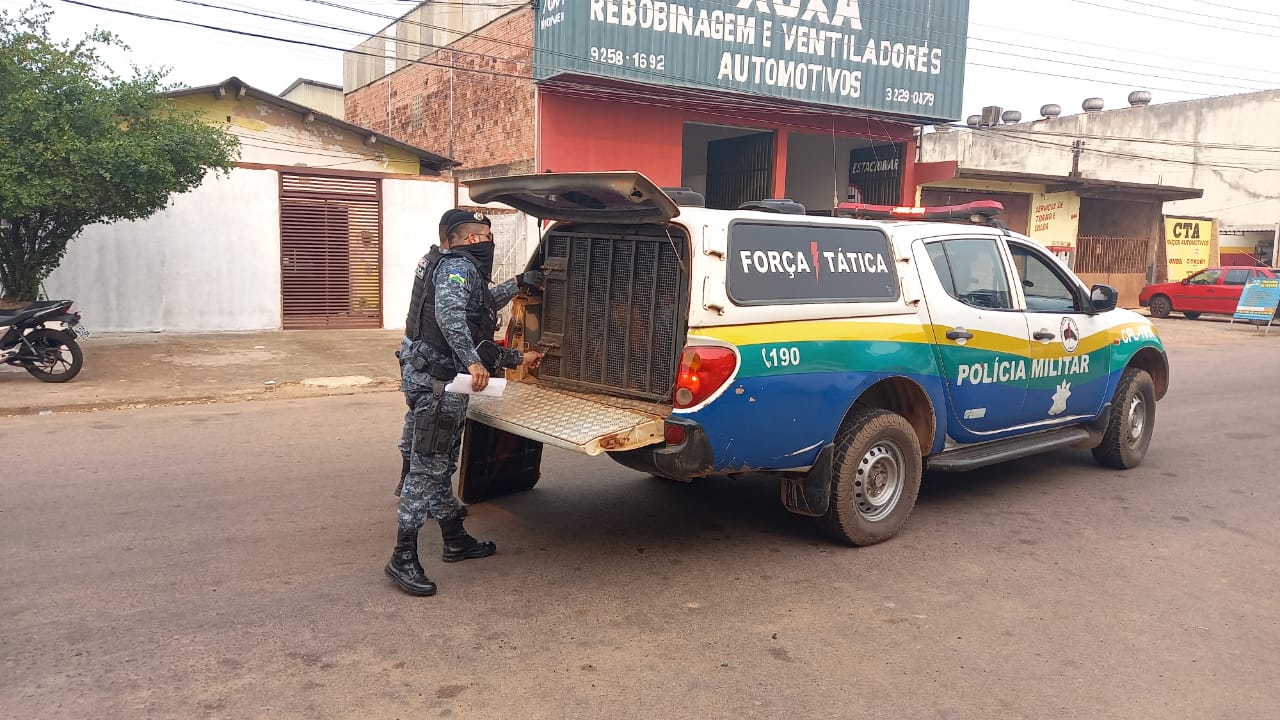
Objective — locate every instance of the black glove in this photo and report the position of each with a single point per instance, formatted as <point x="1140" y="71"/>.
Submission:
<point x="490" y="353"/>
<point x="531" y="280"/>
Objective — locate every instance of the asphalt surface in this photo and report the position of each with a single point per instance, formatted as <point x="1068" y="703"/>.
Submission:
<point x="225" y="561"/>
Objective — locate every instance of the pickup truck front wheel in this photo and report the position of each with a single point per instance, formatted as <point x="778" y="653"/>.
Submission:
<point x="875" y="477"/>
<point x="1133" y="417"/>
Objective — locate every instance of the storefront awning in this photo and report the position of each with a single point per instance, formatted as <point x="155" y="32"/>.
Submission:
<point x="1085" y="187"/>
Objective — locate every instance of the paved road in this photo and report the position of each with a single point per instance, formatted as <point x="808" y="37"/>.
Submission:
<point x="225" y="562"/>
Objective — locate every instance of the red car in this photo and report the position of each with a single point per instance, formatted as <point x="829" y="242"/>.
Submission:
<point x="1213" y="290"/>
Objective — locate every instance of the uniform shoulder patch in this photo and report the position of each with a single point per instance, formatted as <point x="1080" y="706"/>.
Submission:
<point x="454" y="270"/>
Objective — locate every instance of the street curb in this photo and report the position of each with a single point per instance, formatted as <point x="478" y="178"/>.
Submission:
<point x="291" y="391"/>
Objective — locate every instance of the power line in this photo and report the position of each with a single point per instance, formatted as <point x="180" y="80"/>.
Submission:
<point x="1165" y="17"/>
<point x="1003" y="42"/>
<point x="1240" y="9"/>
<point x="495" y="73"/>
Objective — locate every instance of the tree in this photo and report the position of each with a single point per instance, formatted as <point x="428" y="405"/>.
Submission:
<point x="80" y="145"/>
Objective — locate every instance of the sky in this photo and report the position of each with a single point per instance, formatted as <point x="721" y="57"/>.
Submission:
<point x="1022" y="54"/>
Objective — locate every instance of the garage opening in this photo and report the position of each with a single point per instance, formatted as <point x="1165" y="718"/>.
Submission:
<point x="330" y="252"/>
<point x="825" y="170"/>
<point x="728" y="165"/>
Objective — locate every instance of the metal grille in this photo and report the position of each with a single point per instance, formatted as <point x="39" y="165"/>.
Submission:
<point x="612" y="309"/>
<point x="739" y="170"/>
<point x="330" y="252"/>
<point x="1096" y="254"/>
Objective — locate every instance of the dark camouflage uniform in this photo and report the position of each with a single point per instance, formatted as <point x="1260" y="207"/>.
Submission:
<point x="428" y="490"/>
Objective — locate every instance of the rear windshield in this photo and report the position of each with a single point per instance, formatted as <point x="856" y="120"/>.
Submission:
<point x="792" y="264"/>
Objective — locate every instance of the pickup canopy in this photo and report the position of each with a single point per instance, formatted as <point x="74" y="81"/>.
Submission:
<point x="597" y="197"/>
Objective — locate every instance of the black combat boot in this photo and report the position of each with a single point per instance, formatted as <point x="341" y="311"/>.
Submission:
<point x="404" y="472"/>
<point x="404" y="568"/>
<point x="458" y="545"/>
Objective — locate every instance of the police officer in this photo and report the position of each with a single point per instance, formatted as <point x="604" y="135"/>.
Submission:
<point x="452" y="310"/>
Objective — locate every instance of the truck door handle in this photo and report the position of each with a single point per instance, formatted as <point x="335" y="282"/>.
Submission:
<point x="959" y="334"/>
<point x="1043" y="335"/>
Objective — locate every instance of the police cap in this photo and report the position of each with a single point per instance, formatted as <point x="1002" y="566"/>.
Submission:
<point x="453" y="218"/>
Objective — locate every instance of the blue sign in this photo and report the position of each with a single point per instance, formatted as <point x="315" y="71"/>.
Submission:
<point x="1259" y="300"/>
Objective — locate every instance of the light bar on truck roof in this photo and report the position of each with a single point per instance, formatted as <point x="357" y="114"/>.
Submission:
<point x="977" y="211"/>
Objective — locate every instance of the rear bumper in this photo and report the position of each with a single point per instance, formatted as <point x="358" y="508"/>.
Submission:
<point x="691" y="458"/>
<point x="1143" y="302"/>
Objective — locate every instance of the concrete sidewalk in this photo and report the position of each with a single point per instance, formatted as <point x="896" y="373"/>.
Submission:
<point x="141" y="369"/>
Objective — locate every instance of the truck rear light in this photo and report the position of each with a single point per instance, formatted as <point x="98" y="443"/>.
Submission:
<point x="703" y="371"/>
<point x="675" y="434"/>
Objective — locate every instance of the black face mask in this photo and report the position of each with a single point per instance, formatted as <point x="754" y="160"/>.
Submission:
<point x="481" y="254"/>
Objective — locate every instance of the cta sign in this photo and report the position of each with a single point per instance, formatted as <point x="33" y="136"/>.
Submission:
<point x="1188" y="246"/>
<point x="904" y="57"/>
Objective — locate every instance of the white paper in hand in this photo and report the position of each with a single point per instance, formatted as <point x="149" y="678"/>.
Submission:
<point x="462" y="385"/>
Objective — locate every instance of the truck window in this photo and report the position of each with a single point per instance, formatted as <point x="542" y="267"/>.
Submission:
<point x="1043" y="288"/>
<point x="973" y="272"/>
<point x="789" y="263"/>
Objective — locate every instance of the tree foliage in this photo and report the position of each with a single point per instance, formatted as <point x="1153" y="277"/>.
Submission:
<point x="81" y="145"/>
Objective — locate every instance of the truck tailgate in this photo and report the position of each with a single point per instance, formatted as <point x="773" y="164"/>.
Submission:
<point x="583" y="422"/>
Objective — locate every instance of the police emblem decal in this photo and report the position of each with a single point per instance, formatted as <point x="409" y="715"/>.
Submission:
<point x="1070" y="333"/>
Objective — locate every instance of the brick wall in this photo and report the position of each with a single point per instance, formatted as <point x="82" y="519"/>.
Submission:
<point x="491" y="128"/>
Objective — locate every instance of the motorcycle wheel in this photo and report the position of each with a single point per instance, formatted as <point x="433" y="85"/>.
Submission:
<point x="60" y="356"/>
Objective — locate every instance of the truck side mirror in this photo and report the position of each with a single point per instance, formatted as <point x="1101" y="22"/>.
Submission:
<point x="1103" y="298"/>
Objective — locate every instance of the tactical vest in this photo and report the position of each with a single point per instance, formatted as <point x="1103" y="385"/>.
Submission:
<point x="421" y="323"/>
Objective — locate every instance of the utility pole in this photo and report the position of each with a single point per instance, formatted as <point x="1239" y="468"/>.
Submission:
<point x="1077" y="149"/>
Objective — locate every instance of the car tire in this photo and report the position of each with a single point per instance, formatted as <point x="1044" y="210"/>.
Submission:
<point x="1160" y="306"/>
<point x="1191" y="315"/>
<point x="875" y="477"/>
<point x="1133" y="418"/>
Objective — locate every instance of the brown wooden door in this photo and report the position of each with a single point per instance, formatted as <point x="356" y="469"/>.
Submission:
<point x="330" y="252"/>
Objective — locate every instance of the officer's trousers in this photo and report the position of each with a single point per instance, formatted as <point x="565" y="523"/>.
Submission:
<point x="431" y="439"/>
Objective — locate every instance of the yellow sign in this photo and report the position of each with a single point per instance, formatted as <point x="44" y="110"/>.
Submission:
<point x="1055" y="221"/>
<point x="1188" y="246"/>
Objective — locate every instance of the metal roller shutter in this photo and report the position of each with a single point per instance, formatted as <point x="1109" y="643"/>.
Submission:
<point x="331" y="252"/>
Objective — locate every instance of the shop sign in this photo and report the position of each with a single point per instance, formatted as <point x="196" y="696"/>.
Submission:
<point x="904" y="57"/>
<point x="1055" y="222"/>
<point x="1258" y="300"/>
<point x="1188" y="246"/>
<point x="875" y="174"/>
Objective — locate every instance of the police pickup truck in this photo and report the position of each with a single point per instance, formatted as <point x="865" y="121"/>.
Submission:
<point x="844" y="355"/>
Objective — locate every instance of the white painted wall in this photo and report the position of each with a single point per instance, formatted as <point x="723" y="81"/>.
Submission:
<point x="1222" y="145"/>
<point x="211" y="260"/>
<point x="208" y="262"/>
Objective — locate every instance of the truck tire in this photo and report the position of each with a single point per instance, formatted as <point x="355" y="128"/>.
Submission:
<point x="1133" y="418"/>
<point x="875" y="477"/>
<point x="1160" y="306"/>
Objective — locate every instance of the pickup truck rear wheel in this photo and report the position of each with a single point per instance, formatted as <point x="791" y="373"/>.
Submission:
<point x="875" y="477"/>
<point x="1133" y="417"/>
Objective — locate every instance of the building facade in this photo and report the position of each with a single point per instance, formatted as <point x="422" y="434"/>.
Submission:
<point x="738" y="102"/>
<point x="319" y="225"/>
<point x="1218" y="145"/>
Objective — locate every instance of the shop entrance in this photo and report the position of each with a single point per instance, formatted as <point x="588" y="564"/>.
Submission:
<point x="728" y="165"/>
